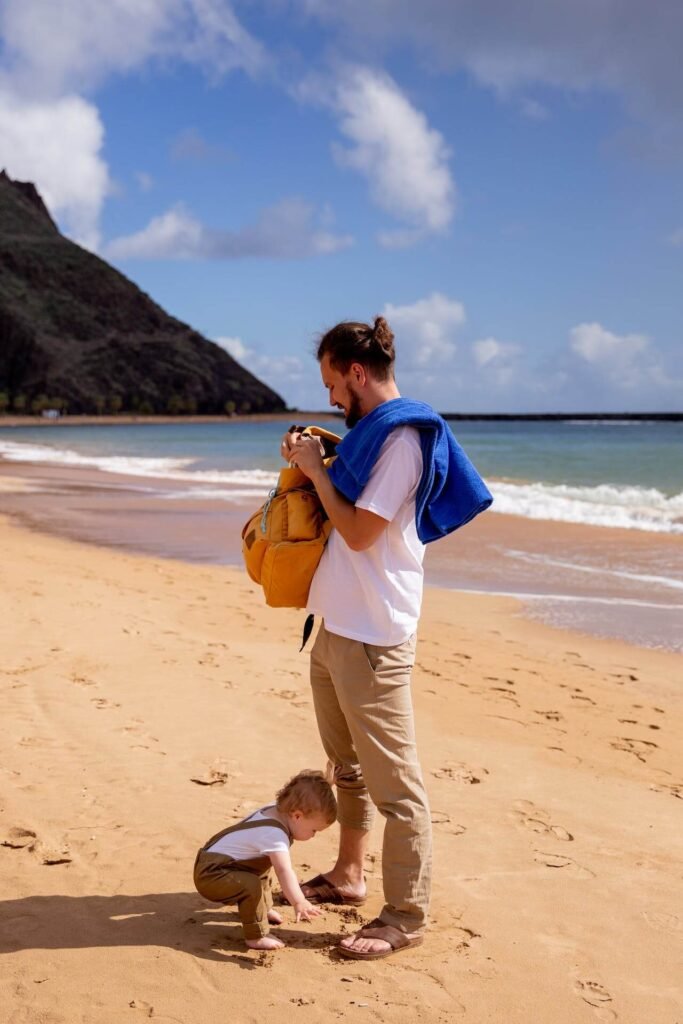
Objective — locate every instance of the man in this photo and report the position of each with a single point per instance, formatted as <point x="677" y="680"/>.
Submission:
<point x="368" y="590"/>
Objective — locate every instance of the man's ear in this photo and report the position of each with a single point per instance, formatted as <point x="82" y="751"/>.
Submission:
<point x="357" y="371"/>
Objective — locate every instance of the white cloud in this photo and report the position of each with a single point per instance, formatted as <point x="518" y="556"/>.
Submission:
<point x="621" y="368"/>
<point x="54" y="47"/>
<point x="51" y="50"/>
<point x="235" y="347"/>
<point x="56" y="144"/>
<point x="596" y="344"/>
<point x="392" y="145"/>
<point x="288" y="230"/>
<point x="426" y="331"/>
<point x="490" y="350"/>
<point x="287" y="374"/>
<point x="676" y="238"/>
<point x="629" y="48"/>
<point x="498" y="363"/>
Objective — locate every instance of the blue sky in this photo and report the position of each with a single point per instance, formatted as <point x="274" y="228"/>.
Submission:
<point x="504" y="185"/>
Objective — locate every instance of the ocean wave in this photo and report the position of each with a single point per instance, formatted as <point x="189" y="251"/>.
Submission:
<point x="128" y="465"/>
<point x="627" y="508"/>
<point x="610" y="505"/>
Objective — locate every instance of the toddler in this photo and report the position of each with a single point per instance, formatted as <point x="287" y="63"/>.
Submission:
<point x="234" y="866"/>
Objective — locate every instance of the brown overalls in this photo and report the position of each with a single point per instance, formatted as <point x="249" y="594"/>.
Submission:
<point x="247" y="883"/>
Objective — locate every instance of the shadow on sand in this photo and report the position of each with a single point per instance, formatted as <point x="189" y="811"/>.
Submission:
<point x="178" y="920"/>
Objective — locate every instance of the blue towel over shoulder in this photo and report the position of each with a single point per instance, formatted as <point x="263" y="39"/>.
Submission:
<point x="450" y="493"/>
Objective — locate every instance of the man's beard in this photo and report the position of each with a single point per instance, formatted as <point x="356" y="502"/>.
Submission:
<point x="355" y="412"/>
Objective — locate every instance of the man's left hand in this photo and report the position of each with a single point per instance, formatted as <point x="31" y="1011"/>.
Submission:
<point x="307" y="455"/>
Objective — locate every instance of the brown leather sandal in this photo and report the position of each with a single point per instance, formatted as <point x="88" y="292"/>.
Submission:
<point x="319" y="890"/>
<point x="396" y="944"/>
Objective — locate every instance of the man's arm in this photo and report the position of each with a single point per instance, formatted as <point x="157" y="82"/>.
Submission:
<point x="359" y="527"/>
<point x="282" y="864"/>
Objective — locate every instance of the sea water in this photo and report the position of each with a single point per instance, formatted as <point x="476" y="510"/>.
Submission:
<point x="605" y="473"/>
<point x="182" y="489"/>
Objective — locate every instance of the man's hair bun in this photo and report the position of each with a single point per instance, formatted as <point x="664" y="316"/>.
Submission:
<point x="383" y="335"/>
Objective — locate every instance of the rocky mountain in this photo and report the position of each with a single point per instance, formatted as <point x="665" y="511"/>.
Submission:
<point x="77" y="335"/>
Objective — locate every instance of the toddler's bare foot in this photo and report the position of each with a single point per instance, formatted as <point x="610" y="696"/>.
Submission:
<point x="265" y="942"/>
<point x="274" y="917"/>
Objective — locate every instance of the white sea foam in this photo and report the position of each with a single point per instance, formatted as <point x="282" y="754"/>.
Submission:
<point x="213" y="494"/>
<point x="612" y="602"/>
<point x="255" y="480"/>
<point x="602" y="571"/>
<point x="629" y="508"/>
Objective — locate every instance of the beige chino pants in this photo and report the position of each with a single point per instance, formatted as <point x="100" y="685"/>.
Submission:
<point x="363" y="705"/>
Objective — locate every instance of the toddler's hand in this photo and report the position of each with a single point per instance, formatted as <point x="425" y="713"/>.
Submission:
<point x="304" y="911"/>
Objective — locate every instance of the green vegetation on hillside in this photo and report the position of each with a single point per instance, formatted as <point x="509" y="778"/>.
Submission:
<point x="79" y="337"/>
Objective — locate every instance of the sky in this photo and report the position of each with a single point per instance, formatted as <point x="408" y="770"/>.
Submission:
<point x="503" y="182"/>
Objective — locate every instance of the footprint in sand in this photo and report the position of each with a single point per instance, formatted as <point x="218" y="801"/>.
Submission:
<point x="558" y="860"/>
<point x="550" y="716"/>
<point x="527" y="814"/>
<point x="672" y="788"/>
<point x="295" y="696"/>
<point x="48" y="854"/>
<point x="442" y="818"/>
<point x="459" y="772"/>
<point x="81" y="680"/>
<point x="505" y="694"/>
<point x="429" y="671"/>
<point x="578" y="696"/>
<point x="102" y="704"/>
<point x="639" y="748"/>
<point x="597" y="996"/>
<point x="140" y="1004"/>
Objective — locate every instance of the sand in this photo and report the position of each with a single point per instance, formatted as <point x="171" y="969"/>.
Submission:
<point x="146" y="703"/>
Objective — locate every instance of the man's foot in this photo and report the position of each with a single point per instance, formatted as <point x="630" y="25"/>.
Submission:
<point x="274" y="917"/>
<point x="265" y="942"/>
<point x="377" y="940"/>
<point x="328" y="889"/>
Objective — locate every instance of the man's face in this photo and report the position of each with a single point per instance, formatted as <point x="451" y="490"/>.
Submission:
<point x="343" y="390"/>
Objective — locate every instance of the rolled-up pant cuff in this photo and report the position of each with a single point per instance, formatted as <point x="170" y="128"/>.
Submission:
<point x="404" y="922"/>
<point x="255" y="930"/>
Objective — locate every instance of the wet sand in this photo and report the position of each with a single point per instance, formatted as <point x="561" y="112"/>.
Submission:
<point x="625" y="584"/>
<point x="148" y="702"/>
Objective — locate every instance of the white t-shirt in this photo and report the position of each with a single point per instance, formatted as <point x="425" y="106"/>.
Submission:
<point x="375" y="595"/>
<point x="253" y="842"/>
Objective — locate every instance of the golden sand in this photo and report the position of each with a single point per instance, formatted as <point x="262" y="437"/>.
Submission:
<point x="147" y="703"/>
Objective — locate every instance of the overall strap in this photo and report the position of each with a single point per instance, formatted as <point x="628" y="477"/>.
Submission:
<point x="243" y="825"/>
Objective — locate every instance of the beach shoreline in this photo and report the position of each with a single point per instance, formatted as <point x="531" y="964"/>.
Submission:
<point x="148" y="702"/>
<point x="606" y="581"/>
<point x="130" y="419"/>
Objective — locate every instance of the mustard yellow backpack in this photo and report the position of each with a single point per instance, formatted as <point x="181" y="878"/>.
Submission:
<point x="283" y="541"/>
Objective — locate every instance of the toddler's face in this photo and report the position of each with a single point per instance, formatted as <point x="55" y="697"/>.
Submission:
<point x="305" y="826"/>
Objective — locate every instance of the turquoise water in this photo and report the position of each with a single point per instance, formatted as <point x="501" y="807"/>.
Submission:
<point x="621" y="474"/>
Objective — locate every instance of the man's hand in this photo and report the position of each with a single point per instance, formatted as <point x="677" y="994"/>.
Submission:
<point x="289" y="440"/>
<point x="306" y="453"/>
